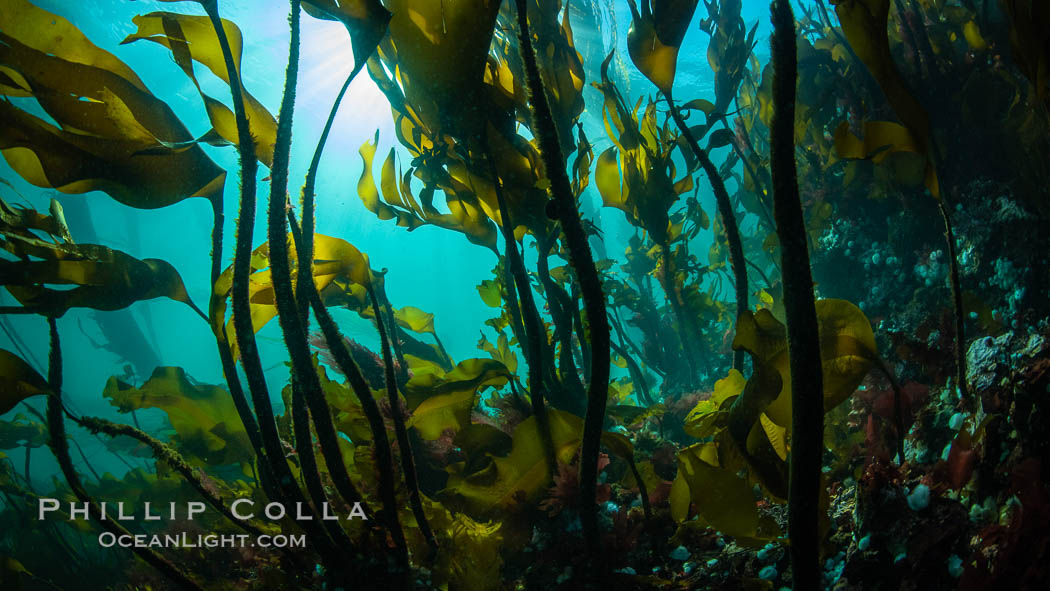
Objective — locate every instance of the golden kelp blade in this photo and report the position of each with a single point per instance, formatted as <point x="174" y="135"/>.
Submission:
<point x="724" y="500"/>
<point x="444" y="402"/>
<point x="750" y="420"/>
<point x="54" y="35"/>
<point x="457" y="101"/>
<point x="880" y="139"/>
<point x="656" y="36"/>
<point x="192" y="38"/>
<point x="500" y="351"/>
<point x="864" y="23"/>
<point x="106" y="279"/>
<point x="636" y="174"/>
<point x="392" y="200"/>
<point x="729" y="51"/>
<point x="847" y="353"/>
<point x="334" y="260"/>
<point x="107" y="119"/>
<point x="415" y="319"/>
<point x="560" y="65"/>
<point x="707" y="415"/>
<point x="441" y="50"/>
<point x="890" y="143"/>
<point x="203" y="416"/>
<point x="517" y="478"/>
<point x="18" y="381"/>
<point x="477" y="560"/>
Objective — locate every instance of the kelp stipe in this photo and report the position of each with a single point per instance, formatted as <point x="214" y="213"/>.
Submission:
<point x="229" y="364"/>
<point x="644" y="40"/>
<point x="586" y="273"/>
<point x="865" y="27"/>
<point x="170" y="456"/>
<point x="305" y="383"/>
<point x="957" y="301"/>
<point x="347" y="366"/>
<point x="400" y="362"/>
<point x="898" y="411"/>
<point x="288" y="313"/>
<point x="60" y="447"/>
<point x="807" y="399"/>
<point x="285" y="484"/>
<point x="370" y="25"/>
<point x="408" y="466"/>
<point x="728" y="215"/>
<point x="535" y="333"/>
<point x="366" y="27"/>
<point x="566" y="316"/>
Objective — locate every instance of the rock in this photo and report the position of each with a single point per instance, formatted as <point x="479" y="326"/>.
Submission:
<point x="985" y="360"/>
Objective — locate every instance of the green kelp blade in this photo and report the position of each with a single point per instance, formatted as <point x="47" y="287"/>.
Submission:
<point x="20" y="432"/>
<point x="725" y="501"/>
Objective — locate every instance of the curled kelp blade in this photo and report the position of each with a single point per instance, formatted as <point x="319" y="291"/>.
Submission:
<point x="520" y="477"/>
<point x="393" y="198"/>
<point x="749" y="420"/>
<point x="847" y="354"/>
<point x="442" y="402"/>
<point x="18" y="381"/>
<point x="501" y="351"/>
<point x="21" y="432"/>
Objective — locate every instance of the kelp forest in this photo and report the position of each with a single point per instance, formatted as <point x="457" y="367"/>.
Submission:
<point x="761" y="292"/>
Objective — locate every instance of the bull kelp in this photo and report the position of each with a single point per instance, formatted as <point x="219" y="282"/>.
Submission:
<point x="657" y="294"/>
